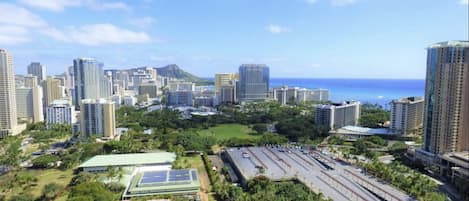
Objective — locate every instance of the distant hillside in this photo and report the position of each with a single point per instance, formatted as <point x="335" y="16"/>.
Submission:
<point x="174" y="71"/>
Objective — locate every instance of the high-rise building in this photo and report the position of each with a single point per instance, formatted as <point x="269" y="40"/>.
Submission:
<point x="97" y="117"/>
<point x="53" y="90"/>
<point x="89" y="80"/>
<point x="319" y="95"/>
<point x="69" y="78"/>
<point x="285" y="95"/>
<point x="60" y="111"/>
<point x="253" y="82"/>
<point x="338" y="115"/>
<point x="8" y="115"/>
<point x="227" y="94"/>
<point x="179" y="98"/>
<point x="30" y="81"/>
<point x="148" y="88"/>
<point x="446" y="123"/>
<point x="224" y="79"/>
<point x="406" y="114"/>
<point x="29" y="103"/>
<point x="206" y="101"/>
<point x="178" y="85"/>
<point x="38" y="70"/>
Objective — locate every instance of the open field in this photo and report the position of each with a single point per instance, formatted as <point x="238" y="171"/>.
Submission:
<point x="227" y="131"/>
<point x="44" y="177"/>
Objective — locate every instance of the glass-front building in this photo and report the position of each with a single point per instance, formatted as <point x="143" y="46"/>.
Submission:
<point x="90" y="82"/>
<point x="253" y="82"/>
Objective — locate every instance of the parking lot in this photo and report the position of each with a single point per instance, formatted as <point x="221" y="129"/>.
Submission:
<point x="336" y="180"/>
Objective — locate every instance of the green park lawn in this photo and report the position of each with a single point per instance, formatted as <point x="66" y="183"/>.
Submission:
<point x="51" y="175"/>
<point x="44" y="177"/>
<point x="227" y="131"/>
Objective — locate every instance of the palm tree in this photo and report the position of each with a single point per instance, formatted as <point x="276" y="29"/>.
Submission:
<point x="120" y="173"/>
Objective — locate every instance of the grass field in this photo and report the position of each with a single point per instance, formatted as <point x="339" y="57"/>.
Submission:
<point x="48" y="176"/>
<point x="44" y="177"/>
<point x="227" y="131"/>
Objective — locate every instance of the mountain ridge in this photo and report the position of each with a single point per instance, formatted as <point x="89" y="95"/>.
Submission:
<point x="174" y="71"/>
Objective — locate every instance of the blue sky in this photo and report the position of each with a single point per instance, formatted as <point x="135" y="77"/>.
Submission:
<point x="296" y="38"/>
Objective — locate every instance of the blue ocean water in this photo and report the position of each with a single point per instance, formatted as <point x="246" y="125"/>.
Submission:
<point x="380" y="91"/>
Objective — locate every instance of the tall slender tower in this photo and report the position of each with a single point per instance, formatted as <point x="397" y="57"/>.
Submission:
<point x="89" y="80"/>
<point x="446" y="124"/>
<point x="38" y="70"/>
<point x="7" y="92"/>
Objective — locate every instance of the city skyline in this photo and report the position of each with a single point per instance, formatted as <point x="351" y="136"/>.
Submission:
<point x="125" y="34"/>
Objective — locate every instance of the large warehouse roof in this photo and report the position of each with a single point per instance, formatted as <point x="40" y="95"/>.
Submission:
<point x="129" y="159"/>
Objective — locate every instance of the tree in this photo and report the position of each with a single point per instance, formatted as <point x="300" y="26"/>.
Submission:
<point x="90" y="191"/>
<point x="260" y="128"/>
<point x="270" y="138"/>
<point x="82" y="177"/>
<point x="373" y="115"/>
<point x="50" y="191"/>
<point x="111" y="172"/>
<point x="11" y="152"/>
<point x="45" y="161"/>
<point x="22" y="197"/>
<point x="120" y="173"/>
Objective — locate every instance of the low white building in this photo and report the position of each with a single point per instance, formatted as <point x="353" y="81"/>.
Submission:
<point x="355" y="132"/>
<point x="130" y="100"/>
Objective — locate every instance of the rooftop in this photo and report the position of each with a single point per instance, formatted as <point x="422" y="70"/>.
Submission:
<point x="147" y="183"/>
<point x="129" y="159"/>
<point x="451" y="43"/>
<point x="363" y="130"/>
<point x="408" y="100"/>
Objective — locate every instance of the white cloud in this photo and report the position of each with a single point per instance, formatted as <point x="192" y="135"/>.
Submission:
<point x="272" y="28"/>
<point x="343" y="2"/>
<point x="112" y="5"/>
<point x="142" y="22"/>
<point x="14" y="15"/>
<point x="99" y="34"/>
<point x="15" y="23"/>
<point x="18" y="25"/>
<point x="464" y="2"/>
<point x="60" y="5"/>
<point x="311" y="1"/>
<point x="11" y="35"/>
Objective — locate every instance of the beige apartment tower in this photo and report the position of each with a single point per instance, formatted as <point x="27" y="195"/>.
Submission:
<point x="8" y="115"/>
<point x="446" y="123"/>
<point x="97" y="117"/>
<point x="406" y="114"/>
<point x="53" y="90"/>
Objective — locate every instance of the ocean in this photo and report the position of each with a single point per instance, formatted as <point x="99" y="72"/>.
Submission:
<point x="380" y="91"/>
